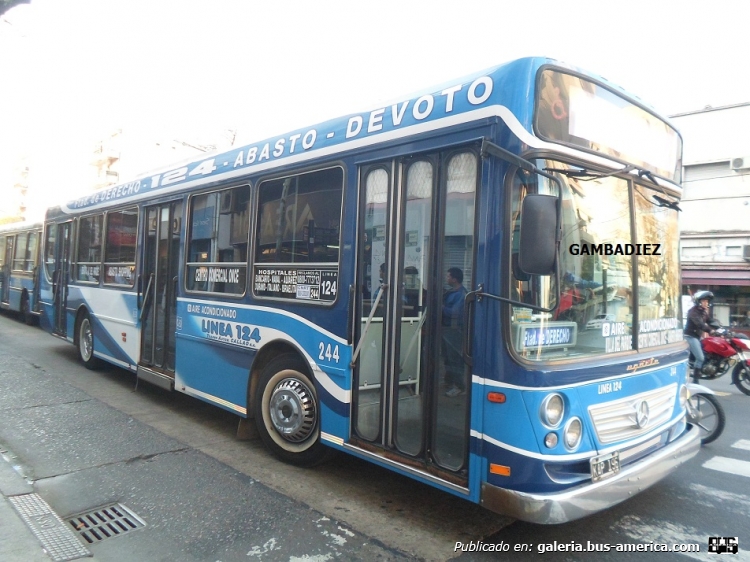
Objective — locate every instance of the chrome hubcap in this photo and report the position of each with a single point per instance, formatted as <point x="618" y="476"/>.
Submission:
<point x="292" y="409"/>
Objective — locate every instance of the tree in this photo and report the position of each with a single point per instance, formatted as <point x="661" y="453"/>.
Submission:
<point x="6" y="5"/>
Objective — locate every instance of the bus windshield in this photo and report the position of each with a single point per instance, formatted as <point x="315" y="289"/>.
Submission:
<point x="619" y="285"/>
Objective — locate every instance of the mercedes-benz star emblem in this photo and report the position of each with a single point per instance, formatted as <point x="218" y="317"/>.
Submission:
<point x="641" y="414"/>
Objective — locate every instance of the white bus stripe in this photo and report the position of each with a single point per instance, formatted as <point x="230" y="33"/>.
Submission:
<point x="742" y="444"/>
<point x="730" y="466"/>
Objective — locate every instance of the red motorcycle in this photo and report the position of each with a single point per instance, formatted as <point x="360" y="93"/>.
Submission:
<point x="726" y="350"/>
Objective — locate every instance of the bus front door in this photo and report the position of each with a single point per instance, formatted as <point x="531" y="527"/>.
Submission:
<point x="62" y="251"/>
<point x="158" y="293"/>
<point x="412" y="386"/>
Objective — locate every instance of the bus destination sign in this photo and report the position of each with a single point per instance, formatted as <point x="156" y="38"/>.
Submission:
<point x="553" y="335"/>
<point x="296" y="284"/>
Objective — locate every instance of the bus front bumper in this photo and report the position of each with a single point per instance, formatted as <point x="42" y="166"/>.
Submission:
<point x="590" y="498"/>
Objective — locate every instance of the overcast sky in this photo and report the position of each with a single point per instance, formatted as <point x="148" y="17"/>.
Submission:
<point x="73" y="71"/>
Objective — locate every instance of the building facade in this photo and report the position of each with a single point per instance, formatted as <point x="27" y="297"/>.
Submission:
<point x="127" y="154"/>
<point x="715" y="222"/>
<point x="15" y="196"/>
<point x="31" y="184"/>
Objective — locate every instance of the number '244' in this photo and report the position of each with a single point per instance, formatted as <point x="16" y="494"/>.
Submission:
<point x="328" y="352"/>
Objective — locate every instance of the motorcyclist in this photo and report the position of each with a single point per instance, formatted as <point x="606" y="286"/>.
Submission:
<point x="696" y="328"/>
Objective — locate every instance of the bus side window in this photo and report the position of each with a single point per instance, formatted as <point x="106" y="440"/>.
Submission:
<point x="120" y="247"/>
<point x="89" y="254"/>
<point x="49" y="251"/>
<point x="218" y="241"/>
<point x="299" y="223"/>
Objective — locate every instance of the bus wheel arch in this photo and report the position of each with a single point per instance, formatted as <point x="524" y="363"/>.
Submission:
<point x="83" y="339"/>
<point x="264" y="356"/>
<point x="286" y="407"/>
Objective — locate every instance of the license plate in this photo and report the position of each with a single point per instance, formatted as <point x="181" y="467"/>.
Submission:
<point x="605" y="466"/>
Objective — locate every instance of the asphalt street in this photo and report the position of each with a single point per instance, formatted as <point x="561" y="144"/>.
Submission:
<point x="81" y="440"/>
<point x="82" y="454"/>
<point x="87" y="438"/>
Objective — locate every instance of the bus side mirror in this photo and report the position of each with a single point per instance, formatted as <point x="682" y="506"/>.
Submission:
<point x="538" y="240"/>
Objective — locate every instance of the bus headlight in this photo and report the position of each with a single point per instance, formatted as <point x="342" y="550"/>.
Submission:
<point x="550" y="440"/>
<point x="552" y="410"/>
<point x="572" y="433"/>
<point x="684" y="394"/>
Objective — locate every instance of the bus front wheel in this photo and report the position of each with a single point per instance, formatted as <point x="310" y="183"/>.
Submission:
<point x="287" y="412"/>
<point x="86" y="343"/>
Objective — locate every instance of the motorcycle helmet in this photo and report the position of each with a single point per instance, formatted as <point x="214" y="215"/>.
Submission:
<point x="703" y="295"/>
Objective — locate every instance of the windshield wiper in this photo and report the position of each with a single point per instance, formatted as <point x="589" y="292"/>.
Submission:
<point x="661" y="202"/>
<point x="646" y="174"/>
<point x="658" y="201"/>
<point x="585" y="175"/>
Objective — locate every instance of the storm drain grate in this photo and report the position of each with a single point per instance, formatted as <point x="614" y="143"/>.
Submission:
<point x="106" y="522"/>
<point x="59" y="542"/>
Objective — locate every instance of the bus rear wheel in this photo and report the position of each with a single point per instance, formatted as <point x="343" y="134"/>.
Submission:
<point x="26" y="314"/>
<point x="86" y="343"/>
<point x="287" y="412"/>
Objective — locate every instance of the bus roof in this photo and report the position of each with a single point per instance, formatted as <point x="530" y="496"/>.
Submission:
<point x="506" y="90"/>
<point x="19" y="226"/>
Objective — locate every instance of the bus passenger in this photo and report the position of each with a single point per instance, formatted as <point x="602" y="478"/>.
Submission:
<point x="453" y="311"/>
<point x="380" y="286"/>
<point x="380" y="282"/>
<point x="569" y="297"/>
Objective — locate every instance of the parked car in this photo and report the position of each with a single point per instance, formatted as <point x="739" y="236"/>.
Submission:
<point x="598" y="320"/>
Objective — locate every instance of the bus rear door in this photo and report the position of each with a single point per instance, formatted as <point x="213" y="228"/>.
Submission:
<point x="158" y="290"/>
<point x="62" y="252"/>
<point x="7" y="266"/>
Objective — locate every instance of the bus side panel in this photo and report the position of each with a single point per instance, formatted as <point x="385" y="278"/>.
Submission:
<point x="17" y="284"/>
<point x="334" y="406"/>
<point x="233" y="334"/>
<point x="31" y="288"/>
<point x="212" y="371"/>
<point x="14" y="294"/>
<point x="46" y="320"/>
<point x="74" y="296"/>
<point x="113" y="313"/>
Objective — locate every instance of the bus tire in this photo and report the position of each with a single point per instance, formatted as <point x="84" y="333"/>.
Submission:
<point x="287" y="412"/>
<point x="28" y="318"/>
<point x="85" y="341"/>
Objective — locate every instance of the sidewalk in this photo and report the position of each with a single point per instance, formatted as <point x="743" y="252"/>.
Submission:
<point x="18" y="543"/>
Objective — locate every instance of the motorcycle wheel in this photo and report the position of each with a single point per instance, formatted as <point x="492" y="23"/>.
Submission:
<point x="741" y="377"/>
<point x="708" y="416"/>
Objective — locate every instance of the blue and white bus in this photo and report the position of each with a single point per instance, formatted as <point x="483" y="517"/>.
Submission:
<point x="19" y="260"/>
<point x="414" y="285"/>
